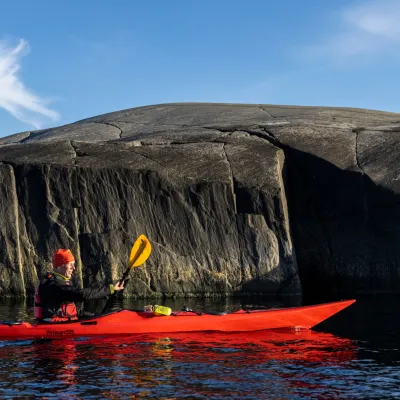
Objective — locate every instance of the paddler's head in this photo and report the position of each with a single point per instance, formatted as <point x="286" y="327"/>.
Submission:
<point x="64" y="262"/>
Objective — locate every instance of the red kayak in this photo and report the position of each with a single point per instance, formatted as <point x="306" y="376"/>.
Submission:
<point x="136" y="322"/>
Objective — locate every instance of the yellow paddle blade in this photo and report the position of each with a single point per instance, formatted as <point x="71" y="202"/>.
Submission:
<point x="140" y="251"/>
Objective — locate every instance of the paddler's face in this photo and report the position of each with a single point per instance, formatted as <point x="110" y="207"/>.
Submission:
<point x="68" y="269"/>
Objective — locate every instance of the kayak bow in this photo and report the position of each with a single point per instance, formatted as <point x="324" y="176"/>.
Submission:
<point x="136" y="322"/>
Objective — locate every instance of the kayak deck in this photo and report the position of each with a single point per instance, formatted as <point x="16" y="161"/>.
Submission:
<point x="135" y="322"/>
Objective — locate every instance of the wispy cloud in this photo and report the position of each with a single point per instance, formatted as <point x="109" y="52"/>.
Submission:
<point x="379" y="18"/>
<point x="364" y="28"/>
<point x="14" y="96"/>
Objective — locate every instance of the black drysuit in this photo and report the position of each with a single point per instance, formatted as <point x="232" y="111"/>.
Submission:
<point x="55" y="296"/>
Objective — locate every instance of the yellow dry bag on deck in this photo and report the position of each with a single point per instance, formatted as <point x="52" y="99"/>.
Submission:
<point x="161" y="310"/>
<point x="158" y="310"/>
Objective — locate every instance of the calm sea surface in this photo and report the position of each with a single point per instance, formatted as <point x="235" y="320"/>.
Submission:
<point x="354" y="355"/>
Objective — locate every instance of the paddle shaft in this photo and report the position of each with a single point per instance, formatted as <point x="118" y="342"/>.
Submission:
<point x="131" y="264"/>
<point x="126" y="273"/>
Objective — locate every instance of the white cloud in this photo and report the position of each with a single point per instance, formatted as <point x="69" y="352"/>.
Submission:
<point x="379" y="18"/>
<point x="14" y="96"/>
<point x="365" y="28"/>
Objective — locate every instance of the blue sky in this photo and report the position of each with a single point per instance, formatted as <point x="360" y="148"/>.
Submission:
<point x="61" y="61"/>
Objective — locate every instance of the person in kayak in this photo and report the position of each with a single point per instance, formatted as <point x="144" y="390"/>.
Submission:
<point x="55" y="297"/>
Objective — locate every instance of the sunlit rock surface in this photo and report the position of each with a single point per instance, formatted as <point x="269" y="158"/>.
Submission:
<point x="234" y="198"/>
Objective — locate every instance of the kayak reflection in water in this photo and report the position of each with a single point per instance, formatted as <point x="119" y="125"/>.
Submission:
<point x="55" y="296"/>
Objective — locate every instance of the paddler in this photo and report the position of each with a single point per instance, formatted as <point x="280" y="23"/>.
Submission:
<point x="55" y="296"/>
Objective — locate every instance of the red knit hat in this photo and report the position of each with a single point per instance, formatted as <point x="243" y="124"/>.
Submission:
<point x="61" y="257"/>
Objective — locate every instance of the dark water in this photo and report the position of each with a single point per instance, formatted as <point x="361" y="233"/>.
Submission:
<point x="354" y="355"/>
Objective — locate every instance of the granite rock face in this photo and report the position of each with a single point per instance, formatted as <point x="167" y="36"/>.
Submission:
<point x="234" y="199"/>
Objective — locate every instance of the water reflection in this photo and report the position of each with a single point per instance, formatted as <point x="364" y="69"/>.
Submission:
<point x="358" y="361"/>
<point x="162" y="366"/>
<point x="16" y="310"/>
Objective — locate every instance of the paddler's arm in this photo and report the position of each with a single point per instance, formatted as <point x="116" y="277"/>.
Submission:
<point x="69" y="293"/>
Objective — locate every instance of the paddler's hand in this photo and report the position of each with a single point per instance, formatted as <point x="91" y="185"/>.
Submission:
<point x="118" y="286"/>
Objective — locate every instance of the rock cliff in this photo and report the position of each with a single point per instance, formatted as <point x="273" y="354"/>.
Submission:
<point x="234" y="199"/>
